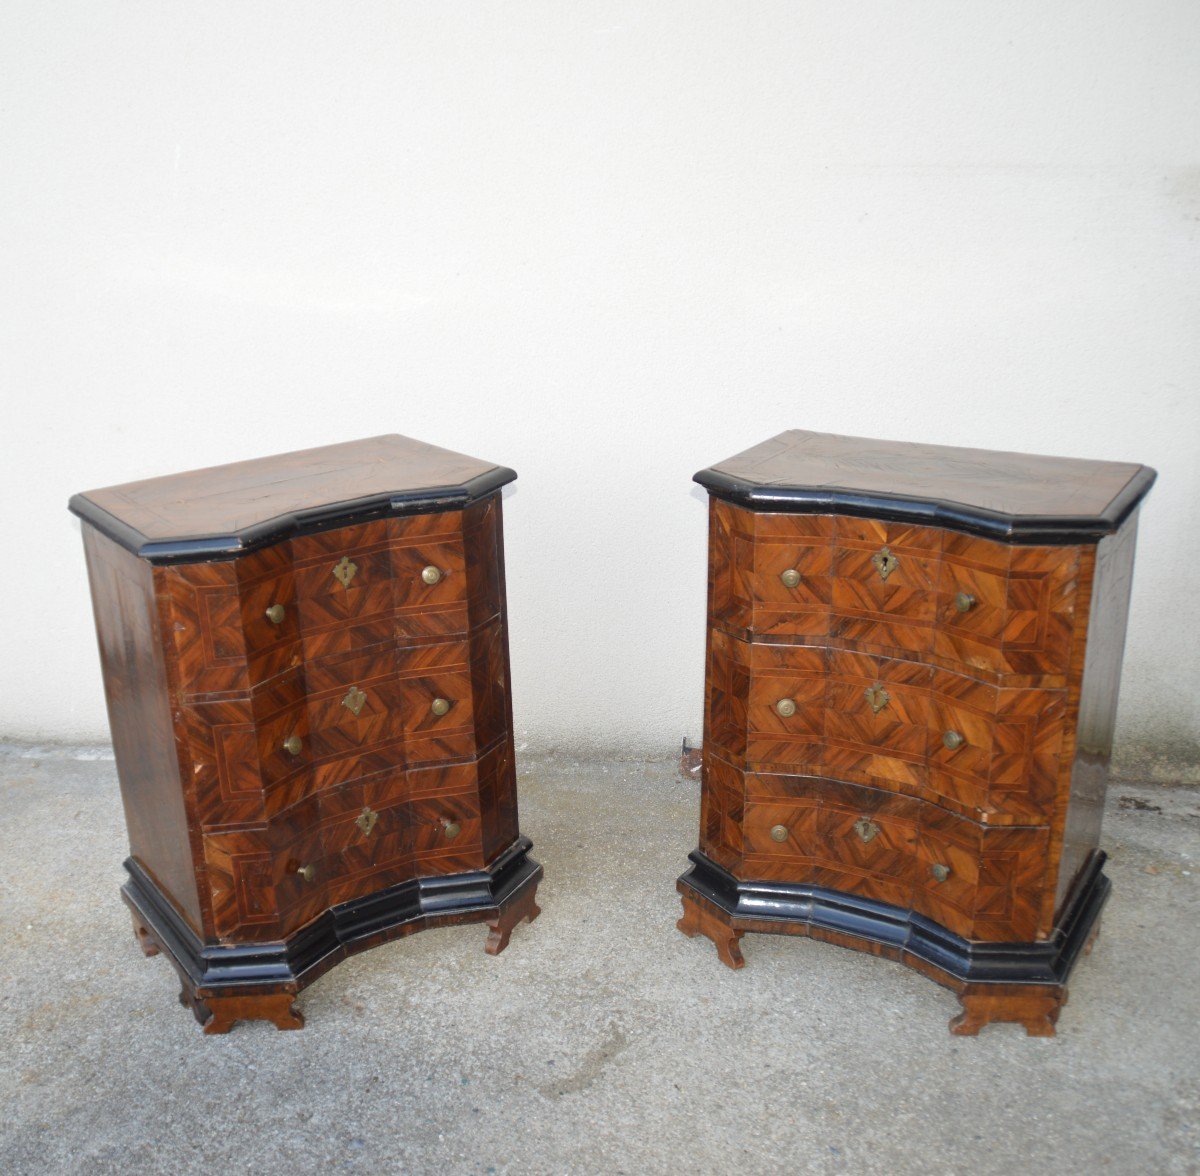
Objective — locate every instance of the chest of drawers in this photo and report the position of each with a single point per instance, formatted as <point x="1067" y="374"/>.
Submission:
<point x="305" y="662"/>
<point x="911" y="684"/>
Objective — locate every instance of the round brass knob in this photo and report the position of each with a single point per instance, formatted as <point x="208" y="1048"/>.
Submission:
<point x="790" y="578"/>
<point x="440" y="706"/>
<point x="293" y="745"/>
<point x="779" y="833"/>
<point x="953" y="740"/>
<point x="964" y="601"/>
<point x="940" y="873"/>
<point x="453" y="829"/>
<point x="275" y="614"/>
<point x="431" y="575"/>
<point x="308" y="873"/>
<point x="786" y="707"/>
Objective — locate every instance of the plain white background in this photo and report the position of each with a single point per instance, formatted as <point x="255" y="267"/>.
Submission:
<point x="605" y="244"/>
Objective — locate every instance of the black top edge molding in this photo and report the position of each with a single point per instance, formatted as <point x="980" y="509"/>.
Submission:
<point x="214" y="548"/>
<point x="1049" y="530"/>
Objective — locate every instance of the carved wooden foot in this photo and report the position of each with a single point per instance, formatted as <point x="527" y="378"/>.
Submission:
<point x="699" y="920"/>
<point x="509" y="915"/>
<point x="142" y="934"/>
<point x="1035" y="1007"/>
<point x="219" y="1014"/>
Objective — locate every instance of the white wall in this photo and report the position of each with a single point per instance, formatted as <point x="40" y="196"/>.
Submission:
<point x="606" y="244"/>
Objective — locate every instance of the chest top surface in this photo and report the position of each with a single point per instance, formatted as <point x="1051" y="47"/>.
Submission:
<point x="1014" y="497"/>
<point x="226" y="510"/>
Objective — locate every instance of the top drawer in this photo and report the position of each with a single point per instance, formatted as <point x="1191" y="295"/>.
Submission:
<point x="894" y="589"/>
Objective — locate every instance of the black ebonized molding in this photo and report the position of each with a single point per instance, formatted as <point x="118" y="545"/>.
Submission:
<point x="1043" y="530"/>
<point x="338" y="932"/>
<point x="212" y="548"/>
<point x="1046" y="962"/>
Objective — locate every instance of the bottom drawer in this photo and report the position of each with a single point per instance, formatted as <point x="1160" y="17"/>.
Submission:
<point x="981" y="882"/>
<point x="446" y="835"/>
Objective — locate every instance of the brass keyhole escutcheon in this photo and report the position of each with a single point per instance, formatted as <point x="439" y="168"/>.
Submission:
<point x="953" y="740"/>
<point x="431" y="575"/>
<point x="779" y="833"/>
<point x="866" y="829"/>
<point x="940" y="873"/>
<point x="877" y="697"/>
<point x="790" y="578"/>
<point x="785" y="708"/>
<point x="275" y="614"/>
<point x="440" y="706"/>
<point x="964" y="601"/>
<point x="293" y="745"/>
<point x="366" y="821"/>
<point x="355" y="700"/>
<point x="452" y="828"/>
<point x="885" y="562"/>
<point x="308" y="873"/>
<point x="344" y="571"/>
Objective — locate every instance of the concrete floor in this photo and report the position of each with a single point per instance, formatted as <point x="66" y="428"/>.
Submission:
<point x="601" y="1041"/>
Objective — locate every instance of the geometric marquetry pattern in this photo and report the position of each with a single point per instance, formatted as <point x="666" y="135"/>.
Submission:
<point x="882" y="846"/>
<point x="833" y="691"/>
<point x="280" y="771"/>
<point x="1017" y="631"/>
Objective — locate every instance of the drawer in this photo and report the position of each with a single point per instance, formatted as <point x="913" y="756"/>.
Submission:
<point x="429" y="568"/>
<point x="299" y="872"/>
<point x="446" y="834"/>
<point x="355" y="706"/>
<point x="232" y="625"/>
<point x="244" y="767"/>
<point x="876" y="721"/>
<point x="884" y="581"/>
<point x="344" y="589"/>
<point x="786" y="572"/>
<point x="858" y="840"/>
<point x="785" y="711"/>
<point x="1005" y="610"/>
<point x="1006" y="770"/>
<point x="367" y="835"/>
<point x="436" y="702"/>
<point x="980" y="883"/>
<point x="265" y="881"/>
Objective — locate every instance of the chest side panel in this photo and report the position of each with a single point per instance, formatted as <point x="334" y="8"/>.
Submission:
<point x="137" y="694"/>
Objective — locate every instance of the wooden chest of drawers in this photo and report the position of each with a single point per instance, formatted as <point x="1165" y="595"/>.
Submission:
<point x="911" y="684"/>
<point x="306" y="667"/>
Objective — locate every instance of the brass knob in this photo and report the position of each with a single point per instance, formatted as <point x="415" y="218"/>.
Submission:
<point x="293" y="745"/>
<point x="431" y="575"/>
<point x="790" y="578"/>
<point x="779" y="833"/>
<point x="964" y="601"/>
<point x="453" y="829"/>
<point x="953" y="740"/>
<point x="275" y="614"/>
<point x="440" y="706"/>
<point x="940" y="873"/>
<point x="785" y="707"/>
<point x="308" y="873"/>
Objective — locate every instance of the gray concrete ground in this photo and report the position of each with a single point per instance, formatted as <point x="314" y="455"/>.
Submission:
<point x="601" y="1041"/>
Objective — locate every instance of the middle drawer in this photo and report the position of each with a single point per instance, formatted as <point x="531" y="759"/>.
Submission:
<point x="899" y="725"/>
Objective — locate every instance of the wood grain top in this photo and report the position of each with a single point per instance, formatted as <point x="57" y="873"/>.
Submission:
<point x="227" y="510"/>
<point x="1015" y="497"/>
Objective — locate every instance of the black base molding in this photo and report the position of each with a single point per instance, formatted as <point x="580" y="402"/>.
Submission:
<point x="211" y="971"/>
<point x="903" y="934"/>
